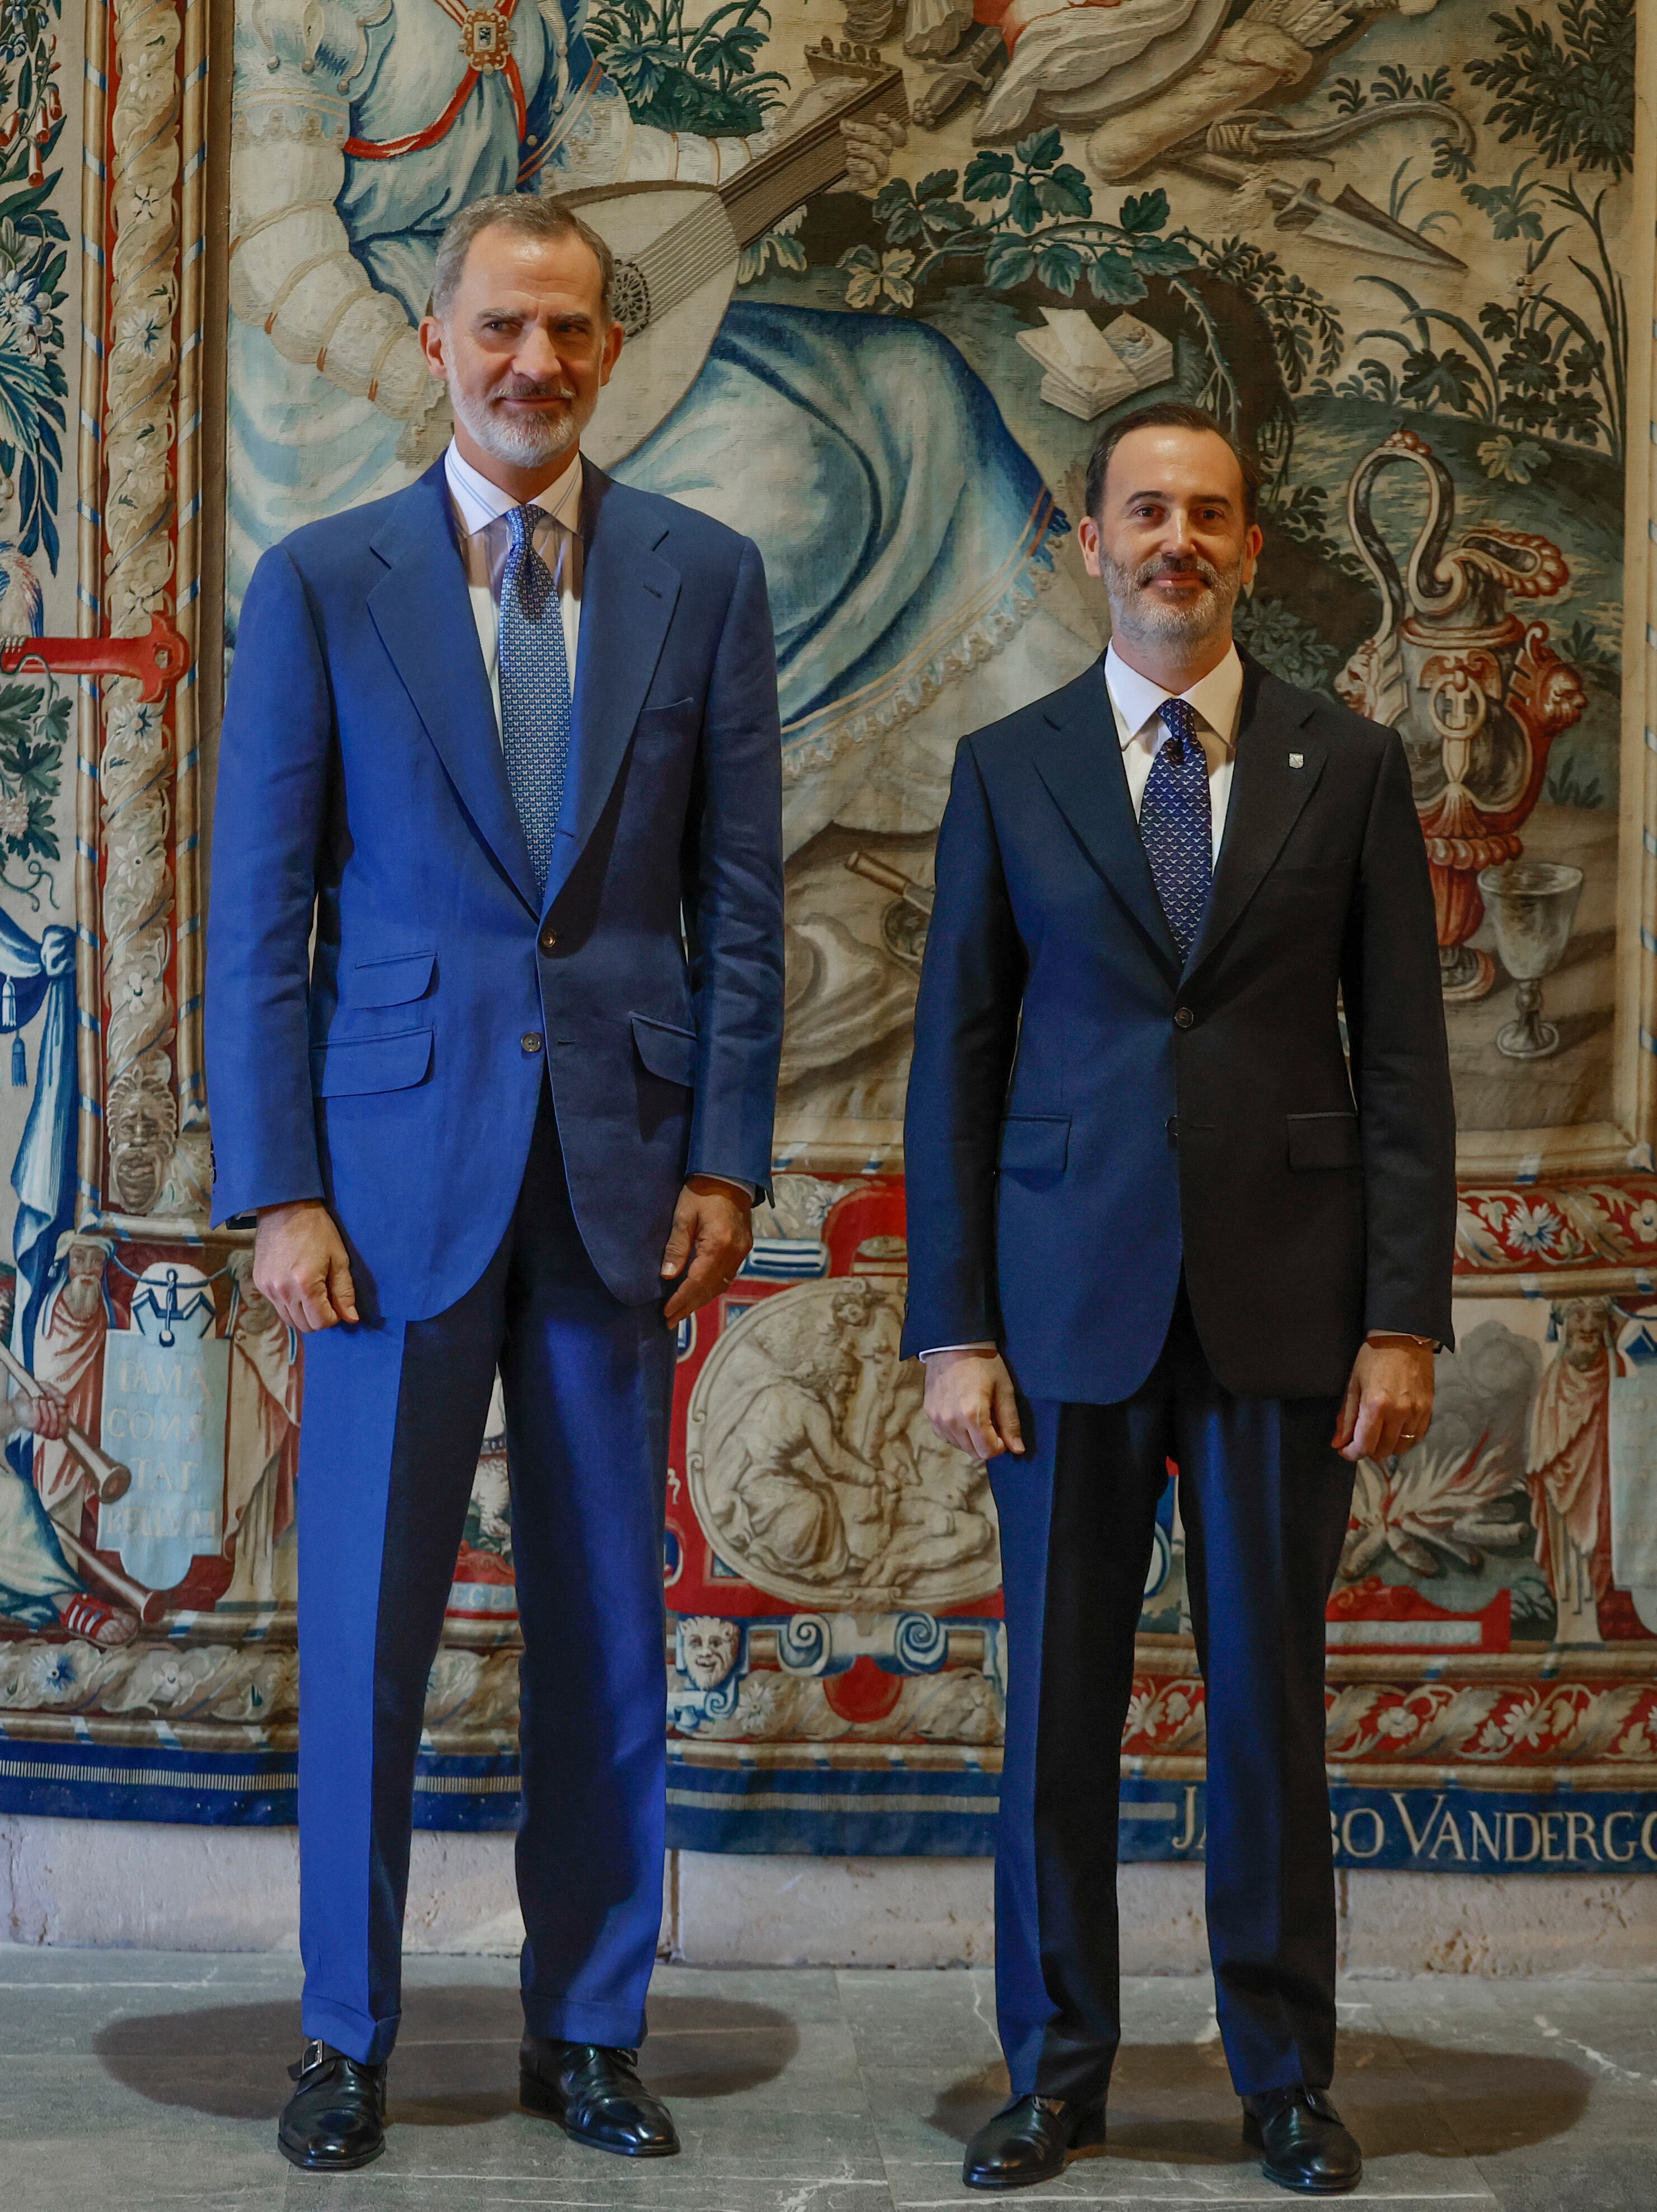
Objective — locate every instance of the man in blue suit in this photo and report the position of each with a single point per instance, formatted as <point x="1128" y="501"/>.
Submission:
<point x="1161" y="1209"/>
<point x="494" y="1016"/>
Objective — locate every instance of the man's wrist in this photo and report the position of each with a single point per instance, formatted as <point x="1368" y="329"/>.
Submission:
<point x="747" y="1192"/>
<point x="943" y="1350"/>
<point x="1401" y="1336"/>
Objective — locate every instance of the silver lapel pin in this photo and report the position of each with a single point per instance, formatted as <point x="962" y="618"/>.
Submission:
<point x="1297" y="760"/>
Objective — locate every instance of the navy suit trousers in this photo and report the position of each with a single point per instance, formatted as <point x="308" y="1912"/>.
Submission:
<point x="1264" y="1500"/>
<point x="394" y="1414"/>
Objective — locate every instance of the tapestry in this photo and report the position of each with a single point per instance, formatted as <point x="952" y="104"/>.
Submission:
<point x="885" y="268"/>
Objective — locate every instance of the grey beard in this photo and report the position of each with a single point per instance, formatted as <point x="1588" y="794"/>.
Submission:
<point x="1135" y="613"/>
<point x="520" y="445"/>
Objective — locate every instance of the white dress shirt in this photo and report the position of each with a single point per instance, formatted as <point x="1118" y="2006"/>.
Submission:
<point x="481" y="508"/>
<point x="1136" y="703"/>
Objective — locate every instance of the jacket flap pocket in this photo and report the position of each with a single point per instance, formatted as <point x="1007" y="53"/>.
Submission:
<point x="380" y="1063"/>
<point x="1324" y="1141"/>
<point x="392" y="980"/>
<point x="1035" y="1144"/>
<point x="667" y="1051"/>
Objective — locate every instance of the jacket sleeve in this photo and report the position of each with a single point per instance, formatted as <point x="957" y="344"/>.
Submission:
<point x="275" y="749"/>
<point x="733" y="894"/>
<point x="1400" y="1067"/>
<point x="966" y="1033"/>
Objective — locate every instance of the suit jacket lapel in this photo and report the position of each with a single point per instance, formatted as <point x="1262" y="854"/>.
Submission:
<point x="1078" y="758"/>
<point x="1268" y="792"/>
<point x="422" y="612"/>
<point x="628" y="595"/>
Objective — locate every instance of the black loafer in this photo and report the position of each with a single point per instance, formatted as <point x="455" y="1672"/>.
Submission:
<point x="1028" y="2141"/>
<point x="1303" y="2146"/>
<point x="594" y="2093"/>
<point x="335" y="2120"/>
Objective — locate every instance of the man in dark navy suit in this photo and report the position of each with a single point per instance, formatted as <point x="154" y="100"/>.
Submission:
<point x="1161" y="1209"/>
<point x="494" y="1013"/>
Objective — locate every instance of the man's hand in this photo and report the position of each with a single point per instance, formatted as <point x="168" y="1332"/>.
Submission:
<point x="1389" y="1401"/>
<point x="46" y="1415"/>
<point x="300" y="1265"/>
<point x="713" y="1229"/>
<point x="869" y="150"/>
<point x="969" y="1401"/>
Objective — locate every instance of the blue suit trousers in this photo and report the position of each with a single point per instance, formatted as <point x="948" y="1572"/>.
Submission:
<point x="1264" y="1500"/>
<point x="394" y="1414"/>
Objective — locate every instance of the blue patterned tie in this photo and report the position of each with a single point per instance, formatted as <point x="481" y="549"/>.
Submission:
<point x="1176" y="824"/>
<point x="535" y="701"/>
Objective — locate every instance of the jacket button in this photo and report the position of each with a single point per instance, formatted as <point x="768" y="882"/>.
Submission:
<point x="549" y="939"/>
<point x="1183" y="1018"/>
<point x="1173" y="1128"/>
<point x="530" y="1041"/>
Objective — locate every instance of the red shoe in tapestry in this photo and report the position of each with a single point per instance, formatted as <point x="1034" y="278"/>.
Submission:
<point x="105" y="1626"/>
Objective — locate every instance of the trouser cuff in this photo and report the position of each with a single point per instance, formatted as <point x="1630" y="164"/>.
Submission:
<point x="575" y="2020"/>
<point x="356" y="2033"/>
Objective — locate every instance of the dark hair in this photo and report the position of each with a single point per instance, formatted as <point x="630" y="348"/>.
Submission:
<point x="1168" y="415"/>
<point x="531" y="217"/>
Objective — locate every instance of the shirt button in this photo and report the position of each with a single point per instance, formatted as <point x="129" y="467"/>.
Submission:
<point x="530" y="1041"/>
<point x="1183" y="1018"/>
<point x="549" y="939"/>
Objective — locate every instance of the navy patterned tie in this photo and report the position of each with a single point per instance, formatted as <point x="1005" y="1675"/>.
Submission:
<point x="535" y="699"/>
<point x="1176" y="824"/>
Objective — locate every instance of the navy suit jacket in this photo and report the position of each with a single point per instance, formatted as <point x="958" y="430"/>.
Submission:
<point x="1087" y="1116"/>
<point x="394" y="1067"/>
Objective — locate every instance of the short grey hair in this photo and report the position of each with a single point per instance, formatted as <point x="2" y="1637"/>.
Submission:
<point x="529" y="216"/>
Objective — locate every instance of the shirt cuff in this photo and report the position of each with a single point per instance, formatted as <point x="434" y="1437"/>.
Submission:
<point x="749" y="1190"/>
<point x="933" y="1349"/>
<point x="1401" y="1336"/>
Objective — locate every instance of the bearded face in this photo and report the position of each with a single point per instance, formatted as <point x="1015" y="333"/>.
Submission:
<point x="710" y="1647"/>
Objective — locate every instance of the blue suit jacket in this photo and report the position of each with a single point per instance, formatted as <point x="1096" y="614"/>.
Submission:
<point x="394" y="1068"/>
<point x="1089" y="1117"/>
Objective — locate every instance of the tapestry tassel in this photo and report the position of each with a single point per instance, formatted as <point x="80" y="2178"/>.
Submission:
<point x="18" y="1064"/>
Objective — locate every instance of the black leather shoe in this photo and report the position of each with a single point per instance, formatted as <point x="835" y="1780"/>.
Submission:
<point x="1028" y="2141"/>
<point x="594" y="2095"/>
<point x="335" y="2120"/>
<point x="1304" y="2145"/>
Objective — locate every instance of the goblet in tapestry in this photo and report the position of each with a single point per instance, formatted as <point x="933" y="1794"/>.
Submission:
<point x="1532" y="904"/>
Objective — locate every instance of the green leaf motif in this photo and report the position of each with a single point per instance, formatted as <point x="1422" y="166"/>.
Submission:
<point x="1162" y="256"/>
<point x="988" y="176"/>
<point x="1144" y="211"/>
<point x="1059" y="266"/>
<point x="1009" y="261"/>
<point x="938" y="184"/>
<point x="1433" y="379"/>
<point x="1113" y="278"/>
<point x="1040" y="150"/>
<point x="1065" y="192"/>
<point x="1024" y="209"/>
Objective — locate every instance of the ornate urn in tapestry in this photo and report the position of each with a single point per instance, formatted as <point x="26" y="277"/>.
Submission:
<point x="1477" y="694"/>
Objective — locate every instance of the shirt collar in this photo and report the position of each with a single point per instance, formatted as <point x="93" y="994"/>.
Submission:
<point x="479" y="502"/>
<point x="1137" y="701"/>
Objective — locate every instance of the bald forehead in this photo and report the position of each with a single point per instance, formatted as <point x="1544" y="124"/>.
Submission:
<point x="1171" y="462"/>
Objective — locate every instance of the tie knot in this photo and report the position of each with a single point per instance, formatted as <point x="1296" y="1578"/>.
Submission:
<point x="524" y="522"/>
<point x="1179" y="720"/>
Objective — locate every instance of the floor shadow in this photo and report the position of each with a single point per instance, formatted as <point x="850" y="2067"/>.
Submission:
<point x="1174" y="2102"/>
<point x="456" y="2063"/>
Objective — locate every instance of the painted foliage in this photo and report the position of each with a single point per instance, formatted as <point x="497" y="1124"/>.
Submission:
<point x="902" y="259"/>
